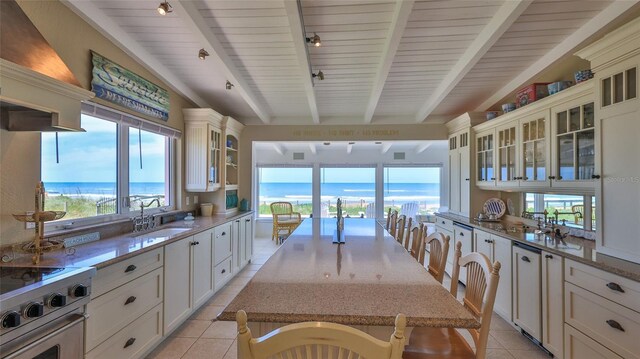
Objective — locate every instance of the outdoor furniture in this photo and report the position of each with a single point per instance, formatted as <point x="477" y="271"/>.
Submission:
<point x="318" y="340"/>
<point x="284" y="219"/>
<point x="370" y="211"/>
<point x="577" y="218"/>
<point x="410" y="209"/>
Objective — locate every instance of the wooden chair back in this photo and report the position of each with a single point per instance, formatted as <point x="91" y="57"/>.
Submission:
<point x="387" y="226"/>
<point x="416" y="242"/>
<point x="400" y="227"/>
<point x="438" y="245"/>
<point x="480" y="292"/>
<point x="394" y="223"/>
<point x="281" y="208"/>
<point x="318" y="340"/>
<point x="407" y="237"/>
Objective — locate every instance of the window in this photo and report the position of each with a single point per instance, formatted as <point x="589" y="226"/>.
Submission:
<point x="95" y="177"/>
<point x="288" y="184"/>
<point x="355" y="186"/>
<point x="572" y="211"/>
<point x="405" y="185"/>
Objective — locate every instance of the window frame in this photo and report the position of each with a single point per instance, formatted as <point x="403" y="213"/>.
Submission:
<point x="588" y="220"/>
<point x="124" y="124"/>
<point x="258" y="173"/>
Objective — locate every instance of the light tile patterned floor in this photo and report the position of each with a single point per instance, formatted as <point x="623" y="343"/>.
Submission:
<point x="203" y="337"/>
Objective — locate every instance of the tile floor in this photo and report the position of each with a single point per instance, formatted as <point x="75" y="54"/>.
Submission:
<point x="201" y="336"/>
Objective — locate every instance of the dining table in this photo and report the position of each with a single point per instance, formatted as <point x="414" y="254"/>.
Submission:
<point x="364" y="283"/>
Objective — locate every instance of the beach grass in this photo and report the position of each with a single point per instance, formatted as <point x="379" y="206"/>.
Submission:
<point x="76" y="207"/>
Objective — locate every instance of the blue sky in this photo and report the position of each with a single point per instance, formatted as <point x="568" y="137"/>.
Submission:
<point x="352" y="175"/>
<point x="91" y="156"/>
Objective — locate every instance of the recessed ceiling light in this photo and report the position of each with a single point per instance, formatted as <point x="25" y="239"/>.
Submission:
<point x="164" y="8"/>
<point x="326" y="143"/>
<point x="378" y="143"/>
<point x="319" y="75"/>
<point x="202" y="54"/>
<point x="228" y="85"/>
<point x="315" y="40"/>
<point x="352" y="143"/>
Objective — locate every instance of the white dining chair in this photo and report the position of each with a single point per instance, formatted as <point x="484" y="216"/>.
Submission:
<point x="318" y="340"/>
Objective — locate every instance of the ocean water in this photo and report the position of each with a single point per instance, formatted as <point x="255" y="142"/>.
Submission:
<point x="106" y="189"/>
<point x="397" y="192"/>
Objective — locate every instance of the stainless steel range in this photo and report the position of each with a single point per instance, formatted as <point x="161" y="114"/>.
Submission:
<point x="41" y="312"/>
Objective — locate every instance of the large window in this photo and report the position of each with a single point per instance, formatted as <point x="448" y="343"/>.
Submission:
<point x="412" y="190"/>
<point x="95" y="174"/>
<point x="355" y="186"/>
<point x="288" y="184"/>
<point x="572" y="209"/>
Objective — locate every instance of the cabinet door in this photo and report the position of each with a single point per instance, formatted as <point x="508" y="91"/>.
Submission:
<point x="617" y="193"/>
<point x="553" y="303"/>
<point x="485" y="151"/>
<point x="482" y="244"/>
<point x="222" y="243"/>
<point x="177" y="283"/>
<point x="527" y="311"/>
<point x="580" y="346"/>
<point x="506" y="146"/>
<point x="534" y="150"/>
<point x="202" y="274"/>
<point x="465" y="237"/>
<point x="236" y="245"/>
<point x="465" y="181"/>
<point x="454" y="181"/>
<point x="502" y="254"/>
<point x="248" y="238"/>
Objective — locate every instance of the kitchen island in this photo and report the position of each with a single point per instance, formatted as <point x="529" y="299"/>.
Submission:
<point x="365" y="282"/>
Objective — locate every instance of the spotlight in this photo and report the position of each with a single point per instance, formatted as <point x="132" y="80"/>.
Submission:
<point x="164" y="8"/>
<point x="202" y="54"/>
<point x="229" y="85"/>
<point x="319" y="75"/>
<point x="315" y="40"/>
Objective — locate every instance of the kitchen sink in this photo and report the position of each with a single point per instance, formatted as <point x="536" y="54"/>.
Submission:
<point x="164" y="233"/>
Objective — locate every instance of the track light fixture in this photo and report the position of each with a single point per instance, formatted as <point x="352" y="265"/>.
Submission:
<point x="315" y="40"/>
<point x="319" y="75"/>
<point x="202" y="54"/>
<point x="229" y="85"/>
<point x="164" y="8"/>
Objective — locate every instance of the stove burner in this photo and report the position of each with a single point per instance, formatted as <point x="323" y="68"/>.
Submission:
<point x="12" y="278"/>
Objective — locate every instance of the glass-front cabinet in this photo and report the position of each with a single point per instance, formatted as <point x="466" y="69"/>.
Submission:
<point x="231" y="162"/>
<point x="485" y="151"/>
<point x="573" y="145"/>
<point x="203" y="147"/>
<point x="534" y="163"/>
<point x="507" y="174"/>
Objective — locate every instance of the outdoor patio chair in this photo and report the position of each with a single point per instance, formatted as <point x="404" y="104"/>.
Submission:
<point x="284" y="219"/>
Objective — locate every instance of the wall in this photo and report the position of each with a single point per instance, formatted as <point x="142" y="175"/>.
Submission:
<point x="72" y="38"/>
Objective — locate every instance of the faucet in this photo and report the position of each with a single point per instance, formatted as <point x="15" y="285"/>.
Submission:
<point x="143" y="222"/>
<point x="529" y="215"/>
<point x="556" y="213"/>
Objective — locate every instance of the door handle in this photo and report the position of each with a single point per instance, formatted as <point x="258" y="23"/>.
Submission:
<point x="130" y="300"/>
<point x="615" y="325"/>
<point x="130" y="268"/>
<point x="548" y="256"/>
<point x="526" y="259"/>
<point x="615" y="286"/>
<point x="129" y="342"/>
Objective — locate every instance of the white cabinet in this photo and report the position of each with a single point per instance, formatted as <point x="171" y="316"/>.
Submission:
<point x="188" y="277"/>
<point x="459" y="173"/>
<point x="445" y="227"/>
<point x="464" y="236"/>
<point x="454" y="175"/>
<point x="527" y="309"/>
<point x="498" y="249"/>
<point x="534" y="152"/>
<point x="485" y="159"/>
<point x="580" y="346"/>
<point x="246" y="236"/>
<point x="203" y="147"/>
<point x="507" y="160"/>
<point x="553" y="303"/>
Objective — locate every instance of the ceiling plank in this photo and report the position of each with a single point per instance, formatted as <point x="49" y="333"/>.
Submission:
<point x="114" y="32"/>
<point x="192" y="18"/>
<point x="300" y="45"/>
<point x="422" y="147"/>
<point x="506" y="15"/>
<point x="386" y="147"/>
<point x="568" y="45"/>
<point x="398" y="23"/>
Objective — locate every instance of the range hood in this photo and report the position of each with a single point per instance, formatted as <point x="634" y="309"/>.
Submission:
<point x="38" y="92"/>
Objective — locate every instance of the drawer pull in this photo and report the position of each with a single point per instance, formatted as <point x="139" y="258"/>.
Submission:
<point x="129" y="342"/>
<point x="247" y="220"/>
<point x="130" y="300"/>
<point x="526" y="259"/>
<point x="461" y="234"/>
<point x="442" y="222"/>
<point x="548" y="256"/>
<point x="130" y="268"/>
<point x="489" y="240"/>
<point x="223" y="271"/>
<point x="615" y="286"/>
<point x="615" y="325"/>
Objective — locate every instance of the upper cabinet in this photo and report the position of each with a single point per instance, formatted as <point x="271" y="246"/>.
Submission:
<point x="229" y="203"/>
<point x="615" y="60"/>
<point x="203" y="147"/>
<point x="549" y="143"/>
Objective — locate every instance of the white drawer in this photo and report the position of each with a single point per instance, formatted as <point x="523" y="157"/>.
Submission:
<point x="598" y="317"/>
<point x="620" y="290"/>
<point x="222" y="273"/>
<point x="222" y="246"/>
<point x="580" y="346"/>
<point x="113" y="311"/>
<point x="135" y="340"/>
<point x="120" y="273"/>
<point x="444" y="223"/>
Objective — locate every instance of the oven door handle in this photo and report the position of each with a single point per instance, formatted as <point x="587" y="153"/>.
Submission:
<point x="45" y="338"/>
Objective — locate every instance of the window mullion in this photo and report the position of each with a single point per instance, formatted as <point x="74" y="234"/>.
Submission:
<point x="123" y="169"/>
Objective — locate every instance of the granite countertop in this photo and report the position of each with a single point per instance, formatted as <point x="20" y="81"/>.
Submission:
<point x="111" y="250"/>
<point x="366" y="281"/>
<point x="574" y="248"/>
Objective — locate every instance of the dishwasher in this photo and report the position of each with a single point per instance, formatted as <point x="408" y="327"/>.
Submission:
<point x="527" y="290"/>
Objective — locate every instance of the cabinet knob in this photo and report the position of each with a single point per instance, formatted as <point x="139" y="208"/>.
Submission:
<point x="223" y="271"/>
<point x="595" y="176"/>
<point x="237" y="221"/>
<point x="552" y="177"/>
<point x="461" y="234"/>
<point x="493" y="178"/>
<point x="224" y="233"/>
<point x="489" y="240"/>
<point x="130" y="268"/>
<point x="130" y="300"/>
<point x="129" y="342"/>
<point x="548" y="256"/>
<point x="525" y="178"/>
<point x="615" y="286"/>
<point x="615" y="325"/>
<point x="526" y="259"/>
<point x="559" y="177"/>
<point x="247" y="220"/>
<point x="467" y="179"/>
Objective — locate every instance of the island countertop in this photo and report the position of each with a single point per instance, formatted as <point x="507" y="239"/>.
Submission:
<point x="366" y="281"/>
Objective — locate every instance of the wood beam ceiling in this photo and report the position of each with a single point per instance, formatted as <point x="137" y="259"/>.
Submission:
<point x="500" y="22"/>
<point x="189" y="13"/>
